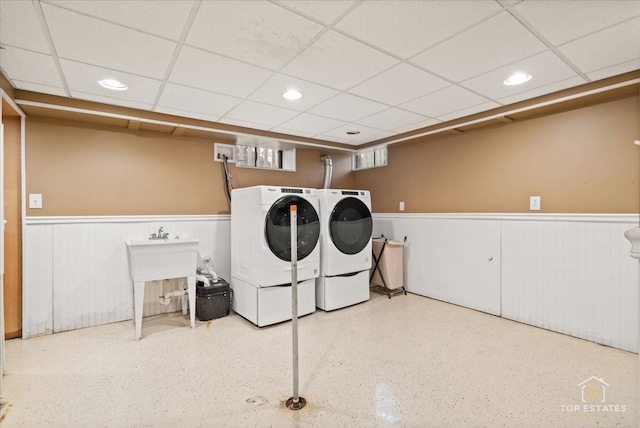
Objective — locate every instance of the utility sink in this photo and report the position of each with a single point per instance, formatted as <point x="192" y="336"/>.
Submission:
<point x="153" y="259"/>
<point x="157" y="259"/>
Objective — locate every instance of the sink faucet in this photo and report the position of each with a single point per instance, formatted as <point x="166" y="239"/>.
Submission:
<point x="160" y="235"/>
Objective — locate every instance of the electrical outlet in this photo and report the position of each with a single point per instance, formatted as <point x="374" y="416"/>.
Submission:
<point x="35" y="200"/>
<point x="221" y="150"/>
<point x="534" y="203"/>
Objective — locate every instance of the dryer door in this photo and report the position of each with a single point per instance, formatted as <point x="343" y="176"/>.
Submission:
<point x="277" y="229"/>
<point x="351" y="225"/>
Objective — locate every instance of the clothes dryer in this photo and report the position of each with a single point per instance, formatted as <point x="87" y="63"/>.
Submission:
<point x="261" y="251"/>
<point x="346" y="226"/>
<point x="345" y="230"/>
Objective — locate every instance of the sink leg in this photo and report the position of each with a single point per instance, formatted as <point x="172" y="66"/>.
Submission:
<point x="191" y="286"/>
<point x="138" y="297"/>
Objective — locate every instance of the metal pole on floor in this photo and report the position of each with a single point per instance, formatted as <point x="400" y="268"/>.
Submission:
<point x="296" y="402"/>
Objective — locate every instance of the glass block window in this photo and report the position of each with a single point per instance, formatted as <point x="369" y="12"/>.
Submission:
<point x="371" y="158"/>
<point x="265" y="158"/>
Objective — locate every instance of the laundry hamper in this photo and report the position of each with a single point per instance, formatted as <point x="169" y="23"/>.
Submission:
<point x="388" y="265"/>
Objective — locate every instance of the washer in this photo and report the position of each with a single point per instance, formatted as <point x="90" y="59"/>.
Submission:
<point x="346" y="226"/>
<point x="261" y="251"/>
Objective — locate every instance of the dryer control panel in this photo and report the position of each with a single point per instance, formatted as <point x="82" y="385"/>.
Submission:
<point x="291" y="190"/>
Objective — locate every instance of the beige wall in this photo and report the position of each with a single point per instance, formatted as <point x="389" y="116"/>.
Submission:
<point x="87" y="169"/>
<point x="13" y="230"/>
<point x="578" y="161"/>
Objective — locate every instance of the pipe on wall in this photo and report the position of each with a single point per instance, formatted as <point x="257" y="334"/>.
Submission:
<point x="328" y="170"/>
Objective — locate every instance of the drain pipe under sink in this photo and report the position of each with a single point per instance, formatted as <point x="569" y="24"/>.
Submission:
<point x="166" y="299"/>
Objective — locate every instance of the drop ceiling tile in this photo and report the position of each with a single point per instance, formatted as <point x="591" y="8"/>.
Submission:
<point x="614" y="70"/>
<point x="543" y="90"/>
<point x="468" y="111"/>
<point x="312" y="94"/>
<point x="20" y="26"/>
<point x="258" y="32"/>
<point x="347" y="107"/>
<point x="391" y="119"/>
<point x="335" y="139"/>
<point x="562" y="21"/>
<point x="496" y="42"/>
<point x="90" y="40"/>
<point x="135" y="41"/>
<point x="35" y="87"/>
<point x="605" y="48"/>
<point x="326" y="11"/>
<point x="312" y="123"/>
<point x="30" y="67"/>
<point x="407" y="27"/>
<point x="399" y="84"/>
<point x="196" y="100"/>
<point x="84" y="78"/>
<point x="250" y="111"/>
<point x="204" y="70"/>
<point x="187" y="113"/>
<point x="109" y="100"/>
<point x="245" y="124"/>
<point x="415" y="126"/>
<point x="545" y="68"/>
<point x="293" y="132"/>
<point x="366" y="134"/>
<point x="165" y="18"/>
<point x="450" y="99"/>
<point x="338" y="62"/>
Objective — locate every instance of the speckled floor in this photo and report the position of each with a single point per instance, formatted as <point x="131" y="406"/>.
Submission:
<point x="405" y="362"/>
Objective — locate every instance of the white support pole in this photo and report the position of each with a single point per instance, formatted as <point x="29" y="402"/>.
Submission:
<point x="294" y="298"/>
<point x="296" y="402"/>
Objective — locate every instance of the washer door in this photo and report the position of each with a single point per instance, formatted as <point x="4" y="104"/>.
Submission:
<point x="277" y="229"/>
<point x="351" y="225"/>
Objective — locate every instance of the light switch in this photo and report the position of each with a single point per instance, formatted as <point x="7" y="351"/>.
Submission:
<point x="402" y="206"/>
<point x="35" y="200"/>
<point x="534" y="203"/>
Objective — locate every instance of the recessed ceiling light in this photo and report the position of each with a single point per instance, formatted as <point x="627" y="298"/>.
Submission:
<point x="517" y="79"/>
<point x="292" y="95"/>
<point x="353" y="132"/>
<point x="112" y="84"/>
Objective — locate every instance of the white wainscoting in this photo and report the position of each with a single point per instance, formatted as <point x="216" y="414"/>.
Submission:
<point x="76" y="270"/>
<point x="574" y="277"/>
<point x="566" y="273"/>
<point x="449" y="259"/>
